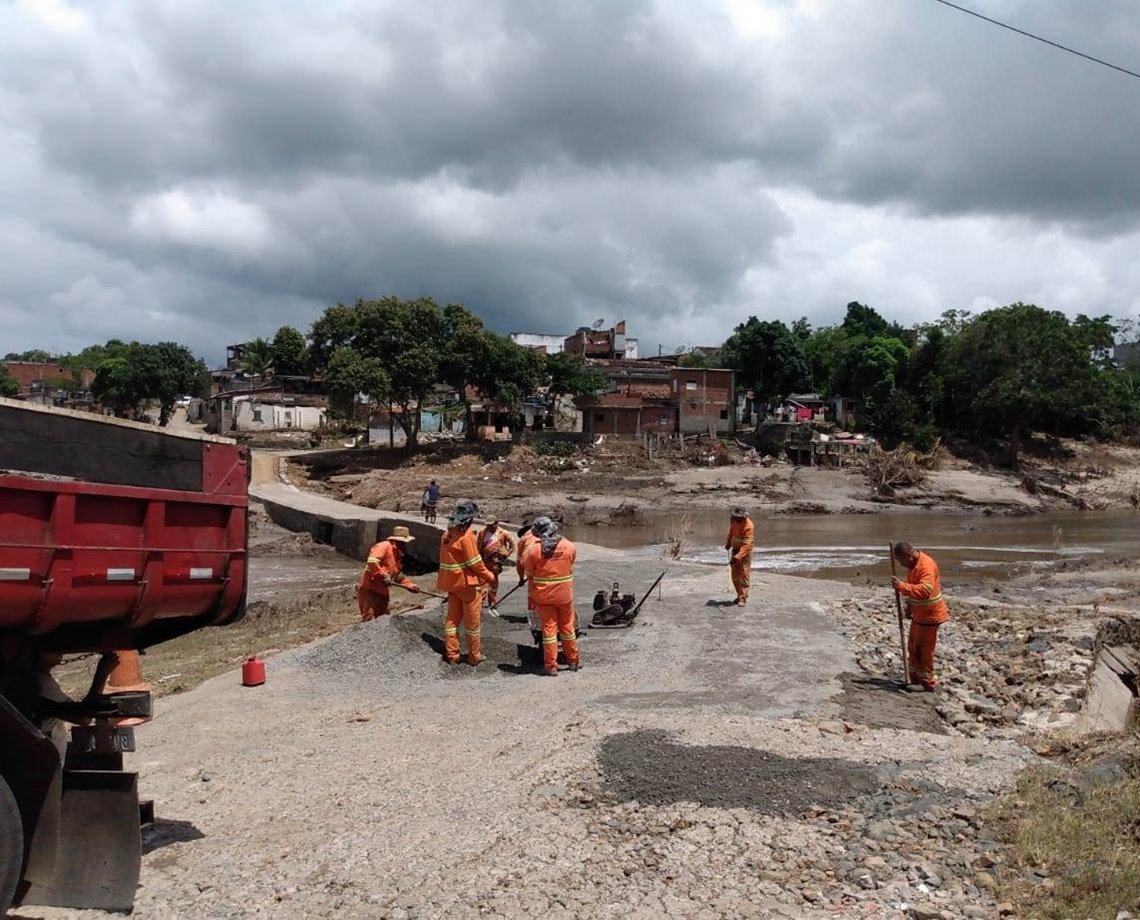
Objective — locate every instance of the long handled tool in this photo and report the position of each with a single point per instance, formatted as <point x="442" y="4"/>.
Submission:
<point x="442" y="597"/>
<point x="899" y="611"/>
<point x="512" y="591"/>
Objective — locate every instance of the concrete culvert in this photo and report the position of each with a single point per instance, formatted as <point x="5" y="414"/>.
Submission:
<point x="650" y="767"/>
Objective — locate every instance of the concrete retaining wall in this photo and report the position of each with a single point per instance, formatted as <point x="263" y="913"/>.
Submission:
<point x="350" y="529"/>
<point x="1111" y="698"/>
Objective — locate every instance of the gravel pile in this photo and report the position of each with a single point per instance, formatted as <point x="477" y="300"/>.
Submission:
<point x="648" y="767"/>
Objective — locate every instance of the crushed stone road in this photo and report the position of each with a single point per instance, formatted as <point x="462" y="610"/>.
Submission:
<point x="702" y="764"/>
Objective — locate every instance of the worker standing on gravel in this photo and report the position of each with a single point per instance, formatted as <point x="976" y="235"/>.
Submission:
<point x="385" y="567"/>
<point x="739" y="544"/>
<point x="549" y="564"/>
<point x="926" y="609"/>
<point x="462" y="576"/>
<point x="495" y="546"/>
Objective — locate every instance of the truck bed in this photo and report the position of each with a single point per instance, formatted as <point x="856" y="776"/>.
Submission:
<point x="117" y="534"/>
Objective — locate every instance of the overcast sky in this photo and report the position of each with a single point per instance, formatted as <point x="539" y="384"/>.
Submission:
<point x="207" y="171"/>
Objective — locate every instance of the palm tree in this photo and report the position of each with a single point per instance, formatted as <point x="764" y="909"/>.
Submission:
<point x="257" y="358"/>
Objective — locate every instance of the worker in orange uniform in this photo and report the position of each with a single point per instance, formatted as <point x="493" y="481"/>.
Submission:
<point x="926" y="609"/>
<point x="549" y="565"/>
<point x="739" y="545"/>
<point x="463" y="577"/>
<point x="495" y="546"/>
<point x="385" y="567"/>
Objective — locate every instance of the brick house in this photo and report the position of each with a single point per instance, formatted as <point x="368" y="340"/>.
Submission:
<point x="34" y="376"/>
<point x="647" y="397"/>
<point x="705" y="399"/>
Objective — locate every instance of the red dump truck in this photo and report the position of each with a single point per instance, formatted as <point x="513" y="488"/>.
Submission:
<point x="114" y="535"/>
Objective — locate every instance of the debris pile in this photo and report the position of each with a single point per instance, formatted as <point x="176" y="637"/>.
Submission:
<point x="1003" y="669"/>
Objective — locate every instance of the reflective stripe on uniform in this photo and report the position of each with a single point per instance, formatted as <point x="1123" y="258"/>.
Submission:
<point x="740" y="541"/>
<point x="459" y="566"/>
<point x="473" y="632"/>
<point x="549" y="640"/>
<point x="552" y="579"/>
<point x="451" y="630"/>
<point x="569" y="638"/>
<point x="915" y="602"/>
<point x="373" y="560"/>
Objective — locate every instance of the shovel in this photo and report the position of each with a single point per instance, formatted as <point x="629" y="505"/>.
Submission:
<point x="899" y="611"/>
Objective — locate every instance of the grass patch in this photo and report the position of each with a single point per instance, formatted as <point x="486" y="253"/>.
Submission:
<point x="1082" y="849"/>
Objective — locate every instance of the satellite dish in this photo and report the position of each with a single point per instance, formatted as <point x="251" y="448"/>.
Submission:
<point x="598" y="323"/>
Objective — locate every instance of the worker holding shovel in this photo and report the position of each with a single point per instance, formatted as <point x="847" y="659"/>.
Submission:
<point x="926" y="610"/>
<point x="385" y="567"/>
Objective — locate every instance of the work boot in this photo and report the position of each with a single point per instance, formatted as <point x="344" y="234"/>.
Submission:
<point x="576" y="666"/>
<point x="551" y="672"/>
<point x="918" y="688"/>
<point x="475" y="660"/>
<point x="447" y="660"/>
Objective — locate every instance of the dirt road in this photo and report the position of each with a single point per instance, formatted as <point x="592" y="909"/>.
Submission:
<point x="696" y="767"/>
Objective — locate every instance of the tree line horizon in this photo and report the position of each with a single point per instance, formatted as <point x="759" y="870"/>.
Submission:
<point x="999" y="375"/>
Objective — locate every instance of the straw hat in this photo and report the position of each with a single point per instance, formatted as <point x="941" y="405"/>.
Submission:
<point x="401" y="535"/>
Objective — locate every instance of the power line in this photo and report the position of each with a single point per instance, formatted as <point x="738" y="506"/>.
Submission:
<point x="1038" y="38"/>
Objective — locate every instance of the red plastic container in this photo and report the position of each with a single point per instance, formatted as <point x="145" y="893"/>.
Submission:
<point x="253" y="672"/>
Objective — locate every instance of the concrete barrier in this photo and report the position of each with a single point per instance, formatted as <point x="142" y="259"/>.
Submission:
<point x="1111" y="696"/>
<point x="350" y="529"/>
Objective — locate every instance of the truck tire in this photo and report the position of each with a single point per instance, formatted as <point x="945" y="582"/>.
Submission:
<point x="11" y="846"/>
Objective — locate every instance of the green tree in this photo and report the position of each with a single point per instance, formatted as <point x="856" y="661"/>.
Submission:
<point x="257" y="358"/>
<point x="1020" y="367"/>
<point x="333" y="329"/>
<point x="288" y="353"/>
<point x="9" y="386"/>
<point x="569" y="375"/>
<point x="32" y="356"/>
<point x="150" y="373"/>
<point x="701" y="360"/>
<point x="466" y="353"/>
<point x="348" y="375"/>
<point x="771" y="360"/>
<point x="91" y="358"/>
<point x="511" y="374"/>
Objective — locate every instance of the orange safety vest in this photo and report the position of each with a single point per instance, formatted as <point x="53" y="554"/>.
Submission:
<point x="739" y="537"/>
<point x="383" y="568"/>
<point x="460" y="565"/>
<point x="551" y="577"/>
<point x="525" y="543"/>
<point x="923" y="592"/>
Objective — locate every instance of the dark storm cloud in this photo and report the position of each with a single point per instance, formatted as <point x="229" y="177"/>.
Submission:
<point x="212" y="170"/>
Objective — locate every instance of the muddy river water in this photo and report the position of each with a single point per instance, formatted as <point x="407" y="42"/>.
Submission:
<point x="855" y="545"/>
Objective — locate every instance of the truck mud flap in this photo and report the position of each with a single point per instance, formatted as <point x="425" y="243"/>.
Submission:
<point x="100" y="845"/>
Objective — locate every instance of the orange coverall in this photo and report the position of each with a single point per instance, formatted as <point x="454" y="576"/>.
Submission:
<point x="495" y="548"/>
<point x="926" y="609"/>
<point x="552" y="580"/>
<point x="739" y="544"/>
<point x="461" y="574"/>
<point x="525" y="543"/>
<point x="385" y="561"/>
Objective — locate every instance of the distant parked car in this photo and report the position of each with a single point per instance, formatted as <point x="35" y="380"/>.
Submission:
<point x="183" y="402"/>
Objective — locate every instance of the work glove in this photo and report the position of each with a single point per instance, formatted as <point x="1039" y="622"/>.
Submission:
<point x="414" y="588"/>
<point x="895" y="582"/>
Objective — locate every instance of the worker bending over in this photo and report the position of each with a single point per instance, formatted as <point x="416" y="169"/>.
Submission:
<point x="463" y="577"/>
<point x="385" y="567"/>
<point x="495" y="546"/>
<point x="549" y="564"/>
<point x="925" y="608"/>
<point x="739" y="545"/>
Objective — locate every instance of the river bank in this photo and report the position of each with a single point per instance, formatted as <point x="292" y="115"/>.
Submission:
<point x="615" y="483"/>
